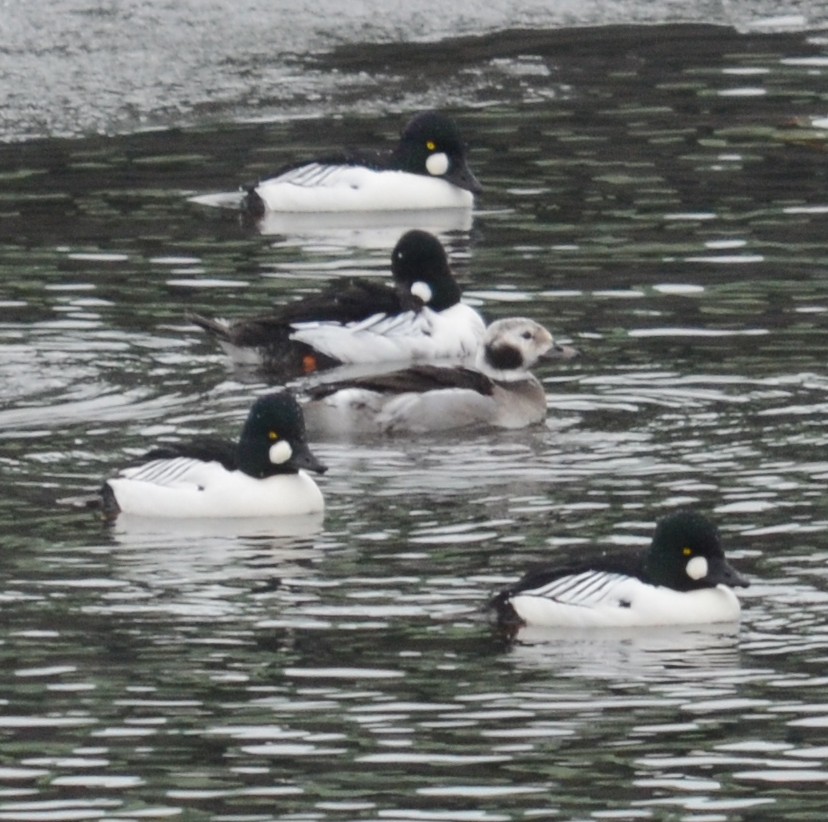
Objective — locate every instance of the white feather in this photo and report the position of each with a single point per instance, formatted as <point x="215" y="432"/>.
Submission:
<point x="600" y="599"/>
<point x="422" y="290"/>
<point x="437" y="164"/>
<point x="425" y="335"/>
<point x="697" y="568"/>
<point x="185" y="487"/>
<point x="280" y="452"/>
<point x="316" y="187"/>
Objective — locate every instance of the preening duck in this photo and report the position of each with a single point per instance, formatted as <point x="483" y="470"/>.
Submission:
<point x="420" y="318"/>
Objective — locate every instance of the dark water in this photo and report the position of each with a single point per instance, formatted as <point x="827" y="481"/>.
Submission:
<point x="657" y="198"/>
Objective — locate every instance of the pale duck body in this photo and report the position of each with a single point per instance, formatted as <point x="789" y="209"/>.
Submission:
<point x="263" y="475"/>
<point x="358" y="321"/>
<point x="498" y="391"/>
<point x="682" y="579"/>
<point x="428" y="169"/>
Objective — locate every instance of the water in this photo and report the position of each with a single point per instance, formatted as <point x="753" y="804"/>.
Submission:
<point x="71" y="67"/>
<point x="657" y="198"/>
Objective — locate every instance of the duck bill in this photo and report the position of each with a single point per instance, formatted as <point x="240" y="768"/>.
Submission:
<point x="721" y="572"/>
<point x="561" y="352"/>
<point x="463" y="177"/>
<point x="303" y="458"/>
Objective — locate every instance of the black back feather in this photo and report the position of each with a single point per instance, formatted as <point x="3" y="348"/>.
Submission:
<point x="629" y="562"/>
<point x="206" y="449"/>
<point x="417" y="379"/>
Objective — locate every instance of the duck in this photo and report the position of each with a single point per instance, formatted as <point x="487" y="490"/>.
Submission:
<point x="264" y="474"/>
<point x="497" y="390"/>
<point x="428" y="169"/>
<point x="357" y="320"/>
<point x="682" y="578"/>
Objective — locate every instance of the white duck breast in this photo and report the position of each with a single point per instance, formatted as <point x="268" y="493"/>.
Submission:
<point x="600" y="599"/>
<point x="412" y="336"/>
<point x="332" y="188"/>
<point x="184" y="487"/>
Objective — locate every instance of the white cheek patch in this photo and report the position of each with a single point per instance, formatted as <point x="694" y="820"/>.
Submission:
<point x="437" y="164"/>
<point x="422" y="291"/>
<point x="280" y="452"/>
<point x="697" y="568"/>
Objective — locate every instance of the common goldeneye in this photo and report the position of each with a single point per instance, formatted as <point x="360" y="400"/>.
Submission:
<point x="360" y="321"/>
<point x="427" y="169"/>
<point x="261" y="475"/>
<point x="683" y="578"/>
<point x="498" y="391"/>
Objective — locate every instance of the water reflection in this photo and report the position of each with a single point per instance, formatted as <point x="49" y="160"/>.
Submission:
<point x="352" y="230"/>
<point x="140" y="533"/>
<point x="660" y="655"/>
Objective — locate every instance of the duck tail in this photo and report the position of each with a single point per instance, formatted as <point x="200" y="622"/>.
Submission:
<point x="253" y="206"/>
<point x="504" y="612"/>
<point x="215" y="328"/>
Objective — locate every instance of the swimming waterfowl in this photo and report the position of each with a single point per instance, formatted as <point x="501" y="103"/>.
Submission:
<point x="261" y="475"/>
<point x="428" y="169"/>
<point x="682" y="578"/>
<point x="421" y="318"/>
<point x="498" y="390"/>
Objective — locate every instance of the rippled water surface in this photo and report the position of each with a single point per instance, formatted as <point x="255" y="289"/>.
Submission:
<point x="657" y="197"/>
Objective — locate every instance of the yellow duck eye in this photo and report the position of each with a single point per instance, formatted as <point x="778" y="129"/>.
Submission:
<point x="272" y="436"/>
<point x="431" y="145"/>
<point x="688" y="552"/>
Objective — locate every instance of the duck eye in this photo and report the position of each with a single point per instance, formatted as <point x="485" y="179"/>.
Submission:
<point x="431" y="145"/>
<point x="688" y="552"/>
<point x="272" y="436"/>
<point x="527" y="335"/>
